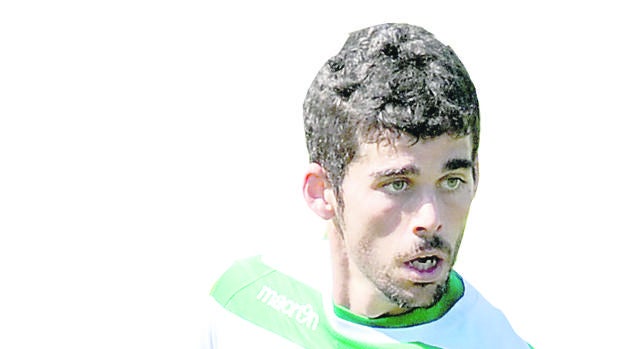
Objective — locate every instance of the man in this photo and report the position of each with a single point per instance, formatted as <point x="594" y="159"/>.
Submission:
<point x="392" y="128"/>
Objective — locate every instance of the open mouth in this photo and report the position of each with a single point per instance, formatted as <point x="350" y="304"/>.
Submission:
<point x="424" y="264"/>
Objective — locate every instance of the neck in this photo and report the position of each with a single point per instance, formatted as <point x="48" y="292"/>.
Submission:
<point x="351" y="289"/>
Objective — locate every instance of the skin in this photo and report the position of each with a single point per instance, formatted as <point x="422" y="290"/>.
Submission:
<point x="403" y="201"/>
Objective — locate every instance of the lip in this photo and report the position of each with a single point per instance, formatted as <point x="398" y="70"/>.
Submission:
<point x="430" y="275"/>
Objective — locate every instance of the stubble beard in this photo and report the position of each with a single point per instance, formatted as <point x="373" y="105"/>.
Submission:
<point x="411" y="295"/>
<point x="403" y="296"/>
<point x="415" y="296"/>
<point x="404" y="293"/>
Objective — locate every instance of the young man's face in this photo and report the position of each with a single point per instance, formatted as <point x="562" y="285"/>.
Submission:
<point x="405" y="208"/>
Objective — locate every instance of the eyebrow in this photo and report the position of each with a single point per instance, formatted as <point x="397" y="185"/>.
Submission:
<point x="392" y="172"/>
<point x="455" y="164"/>
<point x="412" y="170"/>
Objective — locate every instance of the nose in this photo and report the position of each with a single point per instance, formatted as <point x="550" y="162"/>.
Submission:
<point x="426" y="220"/>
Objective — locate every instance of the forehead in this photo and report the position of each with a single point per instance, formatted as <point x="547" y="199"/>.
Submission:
<point x="405" y="150"/>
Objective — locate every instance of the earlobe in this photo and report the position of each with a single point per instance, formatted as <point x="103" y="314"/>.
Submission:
<point x="317" y="191"/>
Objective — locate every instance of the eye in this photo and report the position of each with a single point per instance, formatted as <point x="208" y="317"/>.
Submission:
<point x="452" y="183"/>
<point x="396" y="186"/>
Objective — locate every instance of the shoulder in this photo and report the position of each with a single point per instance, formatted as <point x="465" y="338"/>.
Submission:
<point x="301" y="272"/>
<point x="251" y="285"/>
<point x="241" y="274"/>
<point x="253" y="297"/>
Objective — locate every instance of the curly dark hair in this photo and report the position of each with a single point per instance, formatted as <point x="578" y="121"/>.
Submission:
<point x="388" y="80"/>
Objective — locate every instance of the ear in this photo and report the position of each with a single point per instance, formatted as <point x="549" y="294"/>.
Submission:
<point x="318" y="192"/>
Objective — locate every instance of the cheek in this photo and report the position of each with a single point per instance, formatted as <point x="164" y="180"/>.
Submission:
<point x="372" y="211"/>
<point x="463" y="210"/>
<point x="456" y="205"/>
<point x="370" y="225"/>
<point x="455" y="217"/>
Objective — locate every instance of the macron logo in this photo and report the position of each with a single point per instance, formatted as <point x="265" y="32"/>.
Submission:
<point x="302" y="314"/>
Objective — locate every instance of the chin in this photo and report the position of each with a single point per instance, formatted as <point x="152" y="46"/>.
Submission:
<point x="417" y="296"/>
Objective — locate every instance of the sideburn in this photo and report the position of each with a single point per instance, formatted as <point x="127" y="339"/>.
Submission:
<point x="338" y="219"/>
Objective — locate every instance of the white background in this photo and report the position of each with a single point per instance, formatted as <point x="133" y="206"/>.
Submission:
<point x="146" y="144"/>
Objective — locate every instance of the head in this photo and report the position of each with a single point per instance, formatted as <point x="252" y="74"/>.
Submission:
<point x="392" y="129"/>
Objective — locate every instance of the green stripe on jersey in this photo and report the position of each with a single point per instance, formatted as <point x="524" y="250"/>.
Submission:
<point x="285" y="306"/>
